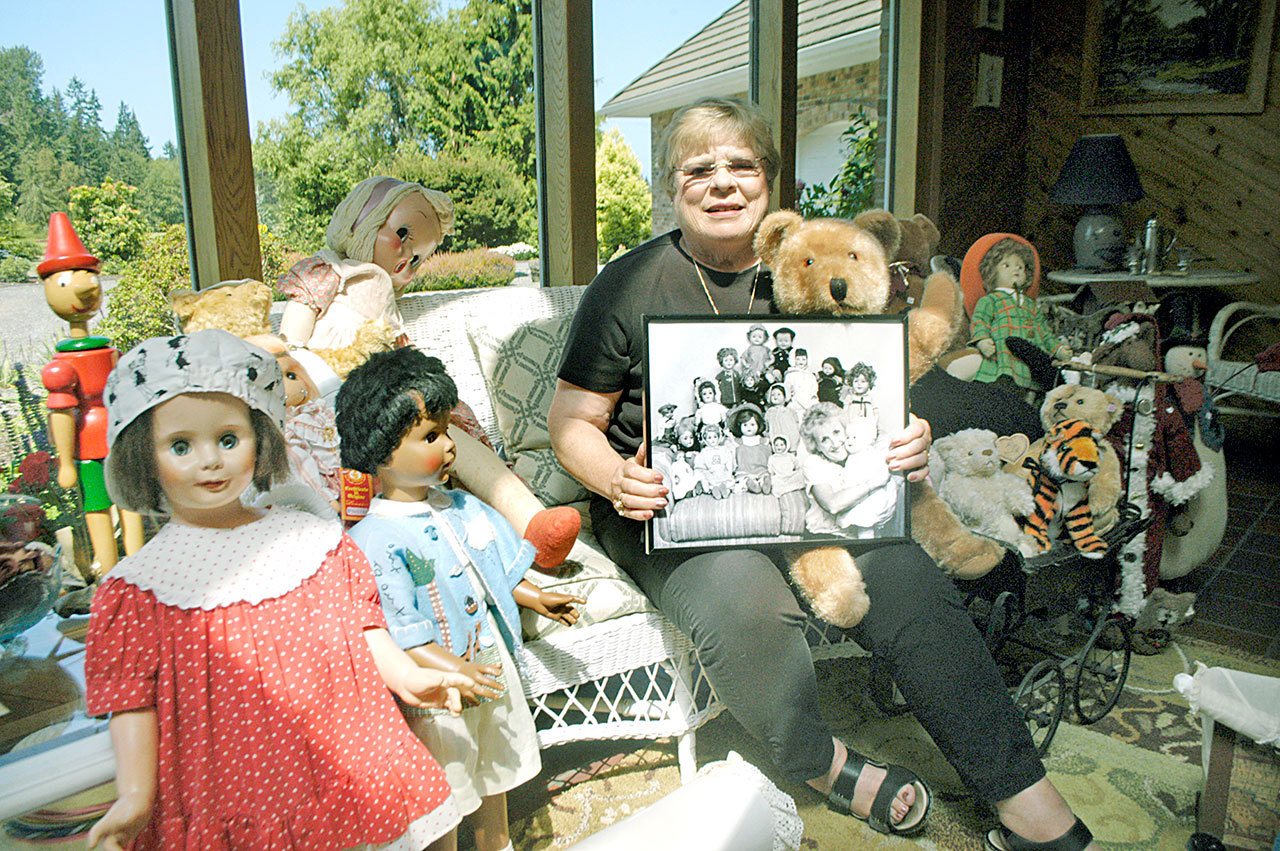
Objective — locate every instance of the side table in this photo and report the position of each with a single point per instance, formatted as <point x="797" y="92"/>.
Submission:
<point x="1190" y="285"/>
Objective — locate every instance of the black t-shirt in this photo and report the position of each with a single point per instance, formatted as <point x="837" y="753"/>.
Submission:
<point x="605" y="349"/>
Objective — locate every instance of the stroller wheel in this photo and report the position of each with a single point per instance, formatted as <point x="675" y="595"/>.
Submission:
<point x="1041" y="698"/>
<point x="1104" y="667"/>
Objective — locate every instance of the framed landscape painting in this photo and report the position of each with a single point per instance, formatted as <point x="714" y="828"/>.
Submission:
<point x="773" y="430"/>
<point x="1176" y="56"/>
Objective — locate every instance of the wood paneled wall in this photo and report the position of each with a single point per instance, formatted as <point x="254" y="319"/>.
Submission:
<point x="1215" y="179"/>
<point x="971" y="163"/>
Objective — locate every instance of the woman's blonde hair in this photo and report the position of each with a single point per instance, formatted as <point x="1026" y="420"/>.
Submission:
<point x="714" y="121"/>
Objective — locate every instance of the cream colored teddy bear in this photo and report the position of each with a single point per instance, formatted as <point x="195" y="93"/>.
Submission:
<point x="985" y="498"/>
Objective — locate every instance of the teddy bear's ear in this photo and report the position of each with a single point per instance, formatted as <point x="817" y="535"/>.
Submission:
<point x="183" y="303"/>
<point x="772" y="231"/>
<point x="885" y="228"/>
<point x="928" y="228"/>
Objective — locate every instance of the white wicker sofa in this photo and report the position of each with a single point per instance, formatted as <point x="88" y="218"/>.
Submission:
<point x="623" y="672"/>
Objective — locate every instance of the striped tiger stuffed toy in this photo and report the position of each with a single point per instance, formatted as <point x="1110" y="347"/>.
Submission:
<point x="1060" y="488"/>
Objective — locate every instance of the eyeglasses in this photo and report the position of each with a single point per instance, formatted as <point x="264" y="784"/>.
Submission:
<point x="739" y="168"/>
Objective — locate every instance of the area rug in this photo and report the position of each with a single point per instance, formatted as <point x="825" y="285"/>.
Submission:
<point x="1133" y="776"/>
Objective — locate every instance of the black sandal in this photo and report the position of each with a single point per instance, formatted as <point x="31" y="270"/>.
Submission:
<point x="879" y="817"/>
<point x="1077" y="838"/>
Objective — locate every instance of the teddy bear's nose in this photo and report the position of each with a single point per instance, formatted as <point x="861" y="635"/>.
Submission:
<point x="839" y="289"/>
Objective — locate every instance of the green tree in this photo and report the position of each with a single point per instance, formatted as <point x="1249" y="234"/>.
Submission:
<point x="160" y="195"/>
<point x="108" y="220"/>
<point x="86" y="141"/>
<point x="23" y="111"/>
<point x="41" y="189"/>
<point x="488" y="195"/>
<point x="624" y="204"/>
<point x="853" y="189"/>
<point x="138" y="305"/>
<point x="376" y="80"/>
<point x="129" y="154"/>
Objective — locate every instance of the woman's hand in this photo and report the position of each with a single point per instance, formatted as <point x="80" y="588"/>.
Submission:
<point x="122" y="823"/>
<point x="637" y="491"/>
<point x="909" y="449"/>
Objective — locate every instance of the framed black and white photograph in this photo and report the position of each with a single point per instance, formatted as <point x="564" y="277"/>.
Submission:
<point x="774" y="430"/>
<point x="990" y="80"/>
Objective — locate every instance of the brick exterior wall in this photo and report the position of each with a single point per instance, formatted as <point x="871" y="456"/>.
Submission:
<point x="820" y="100"/>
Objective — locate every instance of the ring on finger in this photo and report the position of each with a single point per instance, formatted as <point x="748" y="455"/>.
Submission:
<point x="618" y="505"/>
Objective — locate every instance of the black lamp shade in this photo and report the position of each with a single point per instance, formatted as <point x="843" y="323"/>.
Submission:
<point x="1098" y="170"/>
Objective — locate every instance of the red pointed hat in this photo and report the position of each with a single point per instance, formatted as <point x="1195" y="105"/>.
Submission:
<point x="64" y="250"/>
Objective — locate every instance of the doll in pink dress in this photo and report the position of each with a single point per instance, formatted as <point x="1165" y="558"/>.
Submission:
<point x="346" y="296"/>
<point x="242" y="653"/>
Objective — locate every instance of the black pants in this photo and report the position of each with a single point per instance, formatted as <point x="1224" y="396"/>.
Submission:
<point x="740" y="612"/>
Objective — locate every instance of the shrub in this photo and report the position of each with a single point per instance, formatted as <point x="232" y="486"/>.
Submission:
<point x="138" y="305"/>
<point x="277" y="258"/>
<point x="623" y="202"/>
<point x="108" y="221"/>
<point x="489" y="196"/>
<point x="853" y="189"/>
<point x="464" y="269"/>
<point x="15" y="268"/>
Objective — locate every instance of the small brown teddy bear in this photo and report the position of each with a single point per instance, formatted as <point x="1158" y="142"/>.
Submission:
<point x="1101" y="411"/>
<point x="243" y="307"/>
<point x="918" y="239"/>
<point x="835" y="267"/>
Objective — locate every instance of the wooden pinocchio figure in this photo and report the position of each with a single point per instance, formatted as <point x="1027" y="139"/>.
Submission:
<point x="75" y="379"/>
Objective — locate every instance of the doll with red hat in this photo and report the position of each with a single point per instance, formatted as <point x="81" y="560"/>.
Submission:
<point x="75" y="379"/>
<point x="1001" y="278"/>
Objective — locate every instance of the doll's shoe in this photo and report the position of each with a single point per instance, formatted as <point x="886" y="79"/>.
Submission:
<point x="552" y="532"/>
<point x="880" y="818"/>
<point x="1077" y="838"/>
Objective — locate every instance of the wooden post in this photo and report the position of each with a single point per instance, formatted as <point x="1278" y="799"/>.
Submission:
<point x="772" y="51"/>
<point x="564" y="83"/>
<point x="207" y="62"/>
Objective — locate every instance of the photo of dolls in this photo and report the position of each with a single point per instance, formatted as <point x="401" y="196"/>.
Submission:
<point x="782" y="441"/>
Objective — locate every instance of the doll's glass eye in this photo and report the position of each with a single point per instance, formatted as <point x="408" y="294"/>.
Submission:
<point x="808" y="261"/>
<point x="292" y="376"/>
<point x="402" y="233"/>
<point x="228" y="441"/>
<point x="180" y="447"/>
<point x="414" y="261"/>
<point x="853" y="255"/>
<point x="431" y="436"/>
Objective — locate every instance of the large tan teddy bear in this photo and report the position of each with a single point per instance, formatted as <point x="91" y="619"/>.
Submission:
<point x="243" y="307"/>
<point x="1101" y="411"/>
<point x="835" y="267"/>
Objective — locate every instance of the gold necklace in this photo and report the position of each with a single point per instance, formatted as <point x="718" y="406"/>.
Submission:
<point x="697" y="267"/>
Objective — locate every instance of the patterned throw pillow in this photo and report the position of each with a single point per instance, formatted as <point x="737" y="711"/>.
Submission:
<point x="519" y="364"/>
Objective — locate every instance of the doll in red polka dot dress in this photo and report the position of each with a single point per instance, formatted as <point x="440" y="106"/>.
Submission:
<point x="242" y="653"/>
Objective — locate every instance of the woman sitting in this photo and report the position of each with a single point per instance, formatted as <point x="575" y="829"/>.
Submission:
<point x="718" y="161"/>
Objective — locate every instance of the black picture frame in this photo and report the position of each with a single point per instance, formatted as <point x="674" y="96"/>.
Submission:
<point x="711" y="506"/>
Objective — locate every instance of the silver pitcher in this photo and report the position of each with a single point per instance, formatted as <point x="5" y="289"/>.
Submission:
<point x="1155" y="248"/>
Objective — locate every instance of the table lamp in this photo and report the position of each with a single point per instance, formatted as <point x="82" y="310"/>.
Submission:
<point x="1097" y="175"/>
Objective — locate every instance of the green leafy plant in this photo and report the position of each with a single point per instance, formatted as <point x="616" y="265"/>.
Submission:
<point x="15" y="268"/>
<point x="277" y="258"/>
<point x="108" y="220"/>
<point x="489" y="197"/>
<point x="464" y="269"/>
<point x="138" y="305"/>
<point x="623" y="203"/>
<point x="29" y="468"/>
<point x="853" y="189"/>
